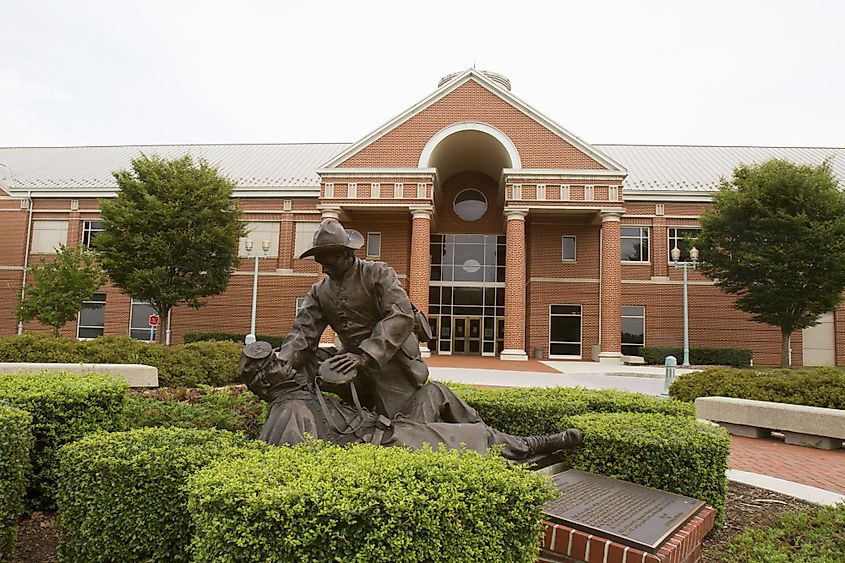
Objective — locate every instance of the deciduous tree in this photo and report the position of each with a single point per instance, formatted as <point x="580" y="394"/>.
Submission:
<point x="60" y="285"/>
<point x="775" y="238"/>
<point x="171" y="232"/>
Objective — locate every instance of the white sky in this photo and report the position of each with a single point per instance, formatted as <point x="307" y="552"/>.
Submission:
<point x="159" y="72"/>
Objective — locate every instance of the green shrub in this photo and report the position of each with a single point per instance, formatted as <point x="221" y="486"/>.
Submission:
<point x="529" y="411"/>
<point x="230" y="408"/>
<point x="15" y="448"/>
<point x="670" y="453"/>
<point x="812" y="535"/>
<point x="365" y="503"/>
<point x="815" y="387"/>
<point x="64" y="408"/>
<point x="122" y="496"/>
<point x="738" y="357"/>
<point x="276" y="341"/>
<point x="185" y="365"/>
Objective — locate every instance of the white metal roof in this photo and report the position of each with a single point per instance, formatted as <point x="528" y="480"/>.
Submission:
<point x="289" y="170"/>
<point x="685" y="168"/>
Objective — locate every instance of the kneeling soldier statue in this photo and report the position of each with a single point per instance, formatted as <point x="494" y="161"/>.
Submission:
<point x="378" y="369"/>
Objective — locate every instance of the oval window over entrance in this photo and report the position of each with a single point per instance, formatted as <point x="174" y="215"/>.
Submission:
<point x="470" y="205"/>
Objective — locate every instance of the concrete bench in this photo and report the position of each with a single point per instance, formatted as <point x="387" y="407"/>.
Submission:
<point x="816" y="427"/>
<point x="136" y="375"/>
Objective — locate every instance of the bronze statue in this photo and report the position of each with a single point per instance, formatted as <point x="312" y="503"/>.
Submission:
<point x="378" y="369"/>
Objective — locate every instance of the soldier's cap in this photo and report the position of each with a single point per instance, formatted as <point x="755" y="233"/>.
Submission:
<point x="258" y="350"/>
<point x="331" y="235"/>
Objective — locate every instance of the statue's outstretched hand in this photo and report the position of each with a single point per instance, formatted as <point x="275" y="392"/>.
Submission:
<point x="346" y="362"/>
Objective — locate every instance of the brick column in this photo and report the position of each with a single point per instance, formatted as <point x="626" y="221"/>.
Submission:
<point x="515" y="284"/>
<point x="659" y="248"/>
<point x="418" y="271"/>
<point x="611" y="290"/>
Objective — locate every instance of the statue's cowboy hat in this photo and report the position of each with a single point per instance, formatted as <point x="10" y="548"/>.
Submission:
<point x="331" y="235"/>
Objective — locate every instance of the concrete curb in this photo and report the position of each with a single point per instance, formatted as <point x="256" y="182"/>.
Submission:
<point x="797" y="490"/>
<point x="136" y="375"/>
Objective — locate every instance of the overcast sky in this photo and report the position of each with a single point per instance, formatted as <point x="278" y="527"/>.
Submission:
<point x="164" y="72"/>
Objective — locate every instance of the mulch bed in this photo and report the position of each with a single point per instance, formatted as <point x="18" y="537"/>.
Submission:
<point x="746" y="506"/>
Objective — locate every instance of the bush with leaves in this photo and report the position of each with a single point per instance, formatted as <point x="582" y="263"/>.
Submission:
<point x="122" y="496"/>
<point x="15" y="447"/>
<point x="675" y="454"/>
<point x="816" y="534"/>
<point x="64" y="408"/>
<point x="737" y="357"/>
<point x="528" y="411"/>
<point x="184" y="365"/>
<point x="364" y="503"/>
<point x="274" y="340"/>
<point x="813" y="387"/>
<point x="231" y="408"/>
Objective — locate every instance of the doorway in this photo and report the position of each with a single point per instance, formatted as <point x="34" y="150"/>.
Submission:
<point x="466" y="336"/>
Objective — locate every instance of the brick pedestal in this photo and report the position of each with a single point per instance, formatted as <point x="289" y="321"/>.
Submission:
<point x="562" y="544"/>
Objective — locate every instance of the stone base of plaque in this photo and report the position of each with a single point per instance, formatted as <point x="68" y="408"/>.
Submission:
<point x="562" y="544"/>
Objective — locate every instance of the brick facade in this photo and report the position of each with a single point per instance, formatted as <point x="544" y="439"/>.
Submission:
<point x="563" y="188"/>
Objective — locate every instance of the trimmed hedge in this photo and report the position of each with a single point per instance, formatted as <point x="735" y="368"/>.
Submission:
<point x="229" y="408"/>
<point x="673" y="454"/>
<point x="528" y="411"/>
<point x="122" y="496"/>
<point x="275" y="340"/>
<point x="737" y="357"/>
<point x="364" y="503"/>
<point x="816" y="534"/>
<point x="183" y="365"/>
<point x="15" y="447"/>
<point x="64" y="408"/>
<point x="815" y="387"/>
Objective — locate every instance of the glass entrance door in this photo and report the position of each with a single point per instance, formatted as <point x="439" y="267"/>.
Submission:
<point x="466" y="336"/>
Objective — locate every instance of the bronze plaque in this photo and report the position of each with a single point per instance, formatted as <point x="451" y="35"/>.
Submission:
<point x="630" y="514"/>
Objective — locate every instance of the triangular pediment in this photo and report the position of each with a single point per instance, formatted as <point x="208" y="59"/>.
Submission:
<point x="472" y="97"/>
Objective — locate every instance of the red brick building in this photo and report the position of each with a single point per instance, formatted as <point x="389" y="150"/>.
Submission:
<point x="515" y="236"/>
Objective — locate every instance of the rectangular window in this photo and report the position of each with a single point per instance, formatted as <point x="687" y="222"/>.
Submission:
<point x="48" y="235"/>
<point x="541" y="192"/>
<point x="613" y="193"/>
<point x="516" y="191"/>
<point x="679" y="237"/>
<point x="633" y="330"/>
<point x="565" y="193"/>
<point x="568" y="248"/>
<point x="300" y="301"/>
<point x="352" y="190"/>
<point x="139" y="321"/>
<point x="375" y="190"/>
<point x="398" y="190"/>
<point x="329" y="191"/>
<point x="258" y="232"/>
<point x="565" y="331"/>
<point x="90" y="229"/>
<point x="634" y="243"/>
<point x="304" y="232"/>
<point x="373" y="245"/>
<point x="589" y="193"/>
<point x="421" y="191"/>
<point x="92" y="317"/>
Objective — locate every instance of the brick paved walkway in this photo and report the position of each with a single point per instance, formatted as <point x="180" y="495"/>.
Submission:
<point x="808" y="466"/>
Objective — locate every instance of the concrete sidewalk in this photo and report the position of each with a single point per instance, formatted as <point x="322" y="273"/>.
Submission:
<point x="813" y="475"/>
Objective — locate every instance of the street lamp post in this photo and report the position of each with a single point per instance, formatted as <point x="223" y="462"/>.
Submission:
<point x="265" y="246"/>
<point x="676" y="255"/>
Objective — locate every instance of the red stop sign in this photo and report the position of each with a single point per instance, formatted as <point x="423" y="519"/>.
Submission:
<point x="153" y="320"/>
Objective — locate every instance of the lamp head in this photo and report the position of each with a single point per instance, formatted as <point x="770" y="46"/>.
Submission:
<point x="248" y="245"/>
<point x="676" y="254"/>
<point x="693" y="254"/>
<point x="265" y="246"/>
